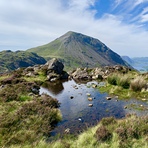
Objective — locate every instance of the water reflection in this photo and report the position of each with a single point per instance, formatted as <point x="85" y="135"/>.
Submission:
<point x="77" y="115"/>
<point x="54" y="87"/>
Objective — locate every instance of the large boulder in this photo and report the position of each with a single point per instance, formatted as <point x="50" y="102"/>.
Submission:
<point x="54" y="70"/>
<point x="54" y="66"/>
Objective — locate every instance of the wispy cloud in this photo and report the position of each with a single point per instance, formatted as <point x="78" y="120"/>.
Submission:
<point x="25" y="24"/>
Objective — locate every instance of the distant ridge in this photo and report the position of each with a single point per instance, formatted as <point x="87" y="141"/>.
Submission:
<point x="12" y="60"/>
<point x="78" y="50"/>
<point x="139" y="63"/>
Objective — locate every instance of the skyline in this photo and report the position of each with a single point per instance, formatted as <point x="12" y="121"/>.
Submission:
<point x="120" y="24"/>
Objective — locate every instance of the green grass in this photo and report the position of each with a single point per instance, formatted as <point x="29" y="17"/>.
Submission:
<point x="126" y="86"/>
<point x="41" y="77"/>
<point x="131" y="131"/>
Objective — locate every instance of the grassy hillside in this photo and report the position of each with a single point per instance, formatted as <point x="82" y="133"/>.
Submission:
<point x="78" y="50"/>
<point x="12" y="60"/>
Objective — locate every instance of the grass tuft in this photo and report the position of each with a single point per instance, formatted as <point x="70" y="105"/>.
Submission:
<point x="138" y="84"/>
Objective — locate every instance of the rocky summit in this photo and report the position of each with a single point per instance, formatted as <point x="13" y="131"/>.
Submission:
<point x="78" y="50"/>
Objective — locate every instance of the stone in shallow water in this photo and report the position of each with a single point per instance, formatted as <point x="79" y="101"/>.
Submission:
<point x="71" y="97"/>
<point x="125" y="107"/>
<point x="90" y="105"/>
<point x="88" y="94"/>
<point x="90" y="99"/>
<point x="108" y="98"/>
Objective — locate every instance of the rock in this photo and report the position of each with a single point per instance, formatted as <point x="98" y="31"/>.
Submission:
<point x="125" y="107"/>
<point x="54" y="70"/>
<point x="90" y="105"/>
<point x="29" y="69"/>
<point x="80" y="119"/>
<point x="75" y="86"/>
<point x="108" y="98"/>
<point x="30" y="94"/>
<point x="116" y="97"/>
<point x="30" y="74"/>
<point x="81" y="74"/>
<point x="67" y="131"/>
<point x="71" y="97"/>
<point x="53" y="77"/>
<point x="90" y="99"/>
<point x="88" y="94"/>
<point x="94" y="86"/>
<point x="143" y="99"/>
<point x="54" y="66"/>
<point x="2" y="86"/>
<point x="35" y="90"/>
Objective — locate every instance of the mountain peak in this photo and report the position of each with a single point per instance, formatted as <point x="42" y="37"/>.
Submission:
<point x="79" y="50"/>
<point x="68" y="35"/>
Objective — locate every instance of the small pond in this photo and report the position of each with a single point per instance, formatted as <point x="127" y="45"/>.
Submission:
<point x="76" y="113"/>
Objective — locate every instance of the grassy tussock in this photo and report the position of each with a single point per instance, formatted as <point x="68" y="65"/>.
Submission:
<point x="119" y="80"/>
<point x="138" y="83"/>
<point x="112" y="79"/>
<point x="127" y="85"/>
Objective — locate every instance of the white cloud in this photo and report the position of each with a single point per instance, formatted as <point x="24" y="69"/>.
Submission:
<point x="137" y="2"/>
<point x="25" y="24"/>
<point x="144" y="18"/>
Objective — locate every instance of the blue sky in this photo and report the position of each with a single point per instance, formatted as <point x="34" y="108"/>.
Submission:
<point x="121" y="24"/>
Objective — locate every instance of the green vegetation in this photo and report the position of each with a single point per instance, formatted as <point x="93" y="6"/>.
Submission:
<point x="131" y="131"/>
<point x="12" y="60"/>
<point x="126" y="85"/>
<point x="138" y="83"/>
<point x="25" y="116"/>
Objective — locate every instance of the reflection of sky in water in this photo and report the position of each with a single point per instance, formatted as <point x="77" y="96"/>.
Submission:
<point x="73" y="109"/>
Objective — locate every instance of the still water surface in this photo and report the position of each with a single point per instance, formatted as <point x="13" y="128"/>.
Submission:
<point x="76" y="114"/>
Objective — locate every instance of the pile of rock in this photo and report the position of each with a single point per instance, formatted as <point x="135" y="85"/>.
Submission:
<point x="54" y="71"/>
<point x="97" y="73"/>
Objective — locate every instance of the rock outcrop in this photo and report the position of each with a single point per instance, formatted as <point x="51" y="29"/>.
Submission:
<point x="97" y="73"/>
<point x="53" y="69"/>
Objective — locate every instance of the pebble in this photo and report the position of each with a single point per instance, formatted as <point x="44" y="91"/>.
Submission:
<point x="88" y="94"/>
<point x="67" y="130"/>
<point x="80" y="119"/>
<point x="71" y="97"/>
<point x="108" y="98"/>
<point x="90" y="99"/>
<point x="125" y="107"/>
<point x="90" y="105"/>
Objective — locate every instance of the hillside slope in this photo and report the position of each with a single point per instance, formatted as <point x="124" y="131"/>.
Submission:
<point x="12" y="60"/>
<point x="78" y="50"/>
